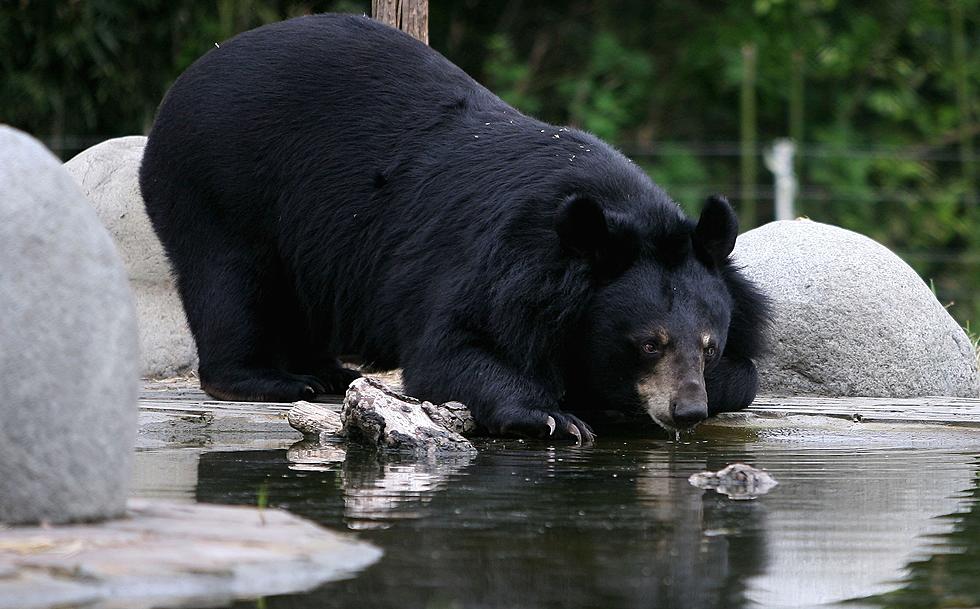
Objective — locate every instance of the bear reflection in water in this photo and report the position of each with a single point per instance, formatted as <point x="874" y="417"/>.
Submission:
<point x="513" y="527"/>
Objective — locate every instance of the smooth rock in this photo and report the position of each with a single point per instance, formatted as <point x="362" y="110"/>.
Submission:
<point x="108" y="174"/>
<point x="375" y="415"/>
<point x="166" y="554"/>
<point x="851" y="318"/>
<point x="738" y="481"/>
<point x="69" y="362"/>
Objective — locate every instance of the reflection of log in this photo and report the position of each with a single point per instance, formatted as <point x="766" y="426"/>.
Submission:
<point x="375" y="415"/>
<point x="381" y="488"/>
<point x="315" y="456"/>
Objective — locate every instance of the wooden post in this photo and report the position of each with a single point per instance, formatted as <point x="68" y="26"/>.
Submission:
<point x="409" y="16"/>
<point x="963" y="100"/>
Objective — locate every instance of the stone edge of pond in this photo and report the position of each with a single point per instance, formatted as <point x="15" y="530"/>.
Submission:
<point x="175" y="412"/>
<point x="834" y="431"/>
<point x="165" y="554"/>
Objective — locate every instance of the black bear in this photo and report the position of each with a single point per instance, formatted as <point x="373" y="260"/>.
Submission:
<point x="330" y="186"/>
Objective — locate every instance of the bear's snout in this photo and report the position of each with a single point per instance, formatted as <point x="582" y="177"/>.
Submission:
<point x="689" y="406"/>
<point x="688" y="413"/>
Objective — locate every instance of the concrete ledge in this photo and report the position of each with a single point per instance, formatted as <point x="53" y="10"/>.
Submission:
<point x="932" y="410"/>
<point x="173" y="554"/>
<point x="176" y="411"/>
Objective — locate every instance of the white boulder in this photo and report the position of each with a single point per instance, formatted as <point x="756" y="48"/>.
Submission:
<point x="851" y="318"/>
<point x="108" y="174"/>
<point x="69" y="372"/>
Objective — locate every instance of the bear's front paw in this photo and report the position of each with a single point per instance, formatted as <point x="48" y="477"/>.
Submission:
<point x="337" y="379"/>
<point x="543" y="424"/>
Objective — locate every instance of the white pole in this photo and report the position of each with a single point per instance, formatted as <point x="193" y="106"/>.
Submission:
<point x="779" y="160"/>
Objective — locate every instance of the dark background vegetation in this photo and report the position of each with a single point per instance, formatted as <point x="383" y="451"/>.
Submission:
<point x="881" y="97"/>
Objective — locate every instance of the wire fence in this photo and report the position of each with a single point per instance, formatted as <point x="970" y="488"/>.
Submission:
<point x="951" y="268"/>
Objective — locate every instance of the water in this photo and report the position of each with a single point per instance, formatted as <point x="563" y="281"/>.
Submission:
<point x="892" y="521"/>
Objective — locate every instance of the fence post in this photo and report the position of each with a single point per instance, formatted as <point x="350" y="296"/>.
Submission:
<point x="779" y="160"/>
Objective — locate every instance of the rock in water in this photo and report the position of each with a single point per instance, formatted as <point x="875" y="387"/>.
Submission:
<point x="69" y="361"/>
<point x="375" y="415"/>
<point x="737" y="481"/>
<point x="108" y="174"/>
<point x="851" y="318"/>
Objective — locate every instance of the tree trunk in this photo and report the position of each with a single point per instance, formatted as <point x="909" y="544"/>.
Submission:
<point x="409" y="16"/>
<point x="963" y="101"/>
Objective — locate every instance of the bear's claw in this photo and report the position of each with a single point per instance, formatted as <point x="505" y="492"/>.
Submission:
<point x="556" y="425"/>
<point x="337" y="380"/>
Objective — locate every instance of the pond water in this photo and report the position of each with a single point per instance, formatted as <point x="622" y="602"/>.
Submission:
<point x="892" y="522"/>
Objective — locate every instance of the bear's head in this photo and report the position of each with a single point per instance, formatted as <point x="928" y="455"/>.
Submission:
<point x="660" y="312"/>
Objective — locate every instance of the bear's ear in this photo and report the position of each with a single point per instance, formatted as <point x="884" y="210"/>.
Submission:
<point x="586" y="230"/>
<point x="581" y="225"/>
<point x="714" y="236"/>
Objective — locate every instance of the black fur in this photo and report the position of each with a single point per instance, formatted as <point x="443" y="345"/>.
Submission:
<point x="329" y="186"/>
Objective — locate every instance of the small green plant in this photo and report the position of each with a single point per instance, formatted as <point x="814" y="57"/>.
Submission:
<point x="974" y="340"/>
<point x="262" y="500"/>
<point x="932" y="286"/>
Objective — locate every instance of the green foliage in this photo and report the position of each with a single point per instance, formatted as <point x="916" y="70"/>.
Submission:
<point x="77" y="72"/>
<point x="678" y="164"/>
<point x="611" y="90"/>
<point x="605" y="96"/>
<point x="508" y="76"/>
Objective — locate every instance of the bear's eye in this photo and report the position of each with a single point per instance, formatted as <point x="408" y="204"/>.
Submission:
<point x="710" y="351"/>
<point x="650" y="348"/>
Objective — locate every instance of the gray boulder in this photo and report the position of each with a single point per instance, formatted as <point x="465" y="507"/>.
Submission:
<point x="69" y="372"/>
<point x="851" y="318"/>
<point x="108" y="174"/>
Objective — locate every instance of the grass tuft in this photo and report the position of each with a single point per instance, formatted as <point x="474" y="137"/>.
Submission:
<point x="975" y="341"/>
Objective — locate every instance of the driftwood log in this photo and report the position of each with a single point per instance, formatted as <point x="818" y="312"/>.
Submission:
<point x="315" y="421"/>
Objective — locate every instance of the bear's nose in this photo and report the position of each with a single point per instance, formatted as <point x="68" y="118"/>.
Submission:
<point x="688" y="413"/>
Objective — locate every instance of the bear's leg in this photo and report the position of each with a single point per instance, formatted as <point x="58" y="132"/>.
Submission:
<point x="335" y="378"/>
<point x="302" y="338"/>
<point x="731" y="385"/>
<point x="503" y="401"/>
<point x="231" y="312"/>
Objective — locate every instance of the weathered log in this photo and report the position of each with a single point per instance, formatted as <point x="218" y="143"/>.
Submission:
<point x="316" y="421"/>
<point x="375" y="415"/>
